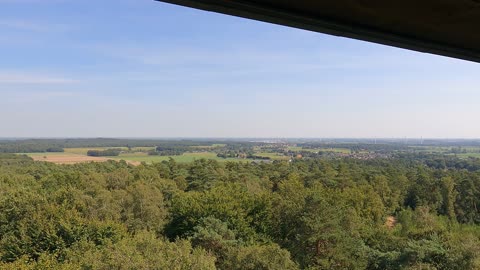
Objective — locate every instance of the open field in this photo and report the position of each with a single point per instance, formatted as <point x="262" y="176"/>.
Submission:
<point x="78" y="155"/>
<point x="64" y="158"/>
<point x="136" y="155"/>
<point x="470" y="151"/>
<point x="71" y="158"/>
<point x="467" y="155"/>
<point x="215" y="145"/>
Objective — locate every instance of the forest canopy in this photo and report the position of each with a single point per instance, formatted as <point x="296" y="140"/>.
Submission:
<point x="399" y="213"/>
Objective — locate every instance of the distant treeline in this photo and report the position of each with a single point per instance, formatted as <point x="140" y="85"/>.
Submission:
<point x="29" y="147"/>
<point x="104" y="153"/>
<point x="231" y="154"/>
<point x="57" y="145"/>
<point x="172" y="149"/>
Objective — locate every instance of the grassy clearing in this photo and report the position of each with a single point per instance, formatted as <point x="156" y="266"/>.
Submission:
<point x="339" y="150"/>
<point x="187" y="157"/>
<point x="72" y="157"/>
<point x="272" y="156"/>
<point x="215" y="145"/>
<point x="46" y="154"/>
<point x="471" y="151"/>
<point x="219" y="145"/>
<point x="432" y="149"/>
<point x="467" y="155"/>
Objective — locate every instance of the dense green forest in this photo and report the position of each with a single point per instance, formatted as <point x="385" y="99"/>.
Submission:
<point x="398" y="213"/>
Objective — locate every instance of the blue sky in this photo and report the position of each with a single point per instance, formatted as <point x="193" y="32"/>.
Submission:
<point x="140" y="68"/>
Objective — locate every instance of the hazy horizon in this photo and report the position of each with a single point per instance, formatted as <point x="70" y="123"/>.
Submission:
<point x="136" y="69"/>
<point x="252" y="138"/>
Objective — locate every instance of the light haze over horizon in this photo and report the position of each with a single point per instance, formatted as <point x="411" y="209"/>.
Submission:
<point x="140" y="68"/>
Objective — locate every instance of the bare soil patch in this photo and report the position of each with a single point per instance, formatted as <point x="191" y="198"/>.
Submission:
<point x="391" y="222"/>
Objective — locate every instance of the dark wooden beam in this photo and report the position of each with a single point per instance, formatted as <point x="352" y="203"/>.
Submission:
<point x="443" y="27"/>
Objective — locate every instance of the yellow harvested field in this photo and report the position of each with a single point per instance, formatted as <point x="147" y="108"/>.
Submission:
<point x="67" y="159"/>
<point x="73" y="159"/>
